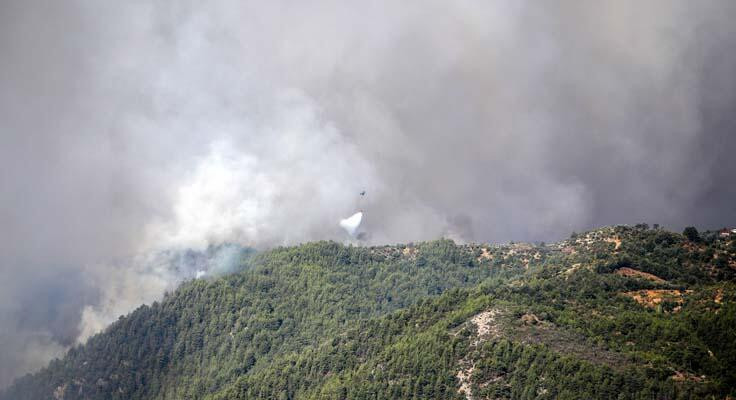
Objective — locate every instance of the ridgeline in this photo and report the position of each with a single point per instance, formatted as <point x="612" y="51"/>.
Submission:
<point x="618" y="312"/>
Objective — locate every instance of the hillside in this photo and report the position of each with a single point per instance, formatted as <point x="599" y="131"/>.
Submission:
<point x="627" y="312"/>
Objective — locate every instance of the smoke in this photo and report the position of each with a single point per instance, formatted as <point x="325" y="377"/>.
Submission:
<point x="134" y="131"/>
<point x="145" y="277"/>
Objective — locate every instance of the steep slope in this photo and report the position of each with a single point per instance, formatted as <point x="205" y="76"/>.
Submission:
<point x="208" y="333"/>
<point x="627" y="312"/>
<point x="568" y="329"/>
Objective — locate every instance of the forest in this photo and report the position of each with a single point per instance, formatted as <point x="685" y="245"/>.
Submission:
<point x="628" y="312"/>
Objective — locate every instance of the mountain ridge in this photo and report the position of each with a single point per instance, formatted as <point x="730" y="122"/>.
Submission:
<point x="309" y="321"/>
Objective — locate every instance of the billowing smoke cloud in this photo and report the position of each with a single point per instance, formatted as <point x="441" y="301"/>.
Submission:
<point x="145" y="277"/>
<point x="140" y="129"/>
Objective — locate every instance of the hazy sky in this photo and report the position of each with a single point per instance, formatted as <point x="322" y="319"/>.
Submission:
<point x="127" y="128"/>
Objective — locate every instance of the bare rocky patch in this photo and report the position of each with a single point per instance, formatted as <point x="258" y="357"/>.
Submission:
<point x="529" y="329"/>
<point x="486" y="323"/>
<point x="487" y="326"/>
<point x="615" y="240"/>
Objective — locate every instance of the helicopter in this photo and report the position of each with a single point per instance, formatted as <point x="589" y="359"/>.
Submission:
<point x="352" y="223"/>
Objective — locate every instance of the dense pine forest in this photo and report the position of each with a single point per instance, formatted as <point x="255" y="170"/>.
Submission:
<point x="618" y="312"/>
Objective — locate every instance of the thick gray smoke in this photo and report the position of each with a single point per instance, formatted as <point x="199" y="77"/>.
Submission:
<point x="132" y="128"/>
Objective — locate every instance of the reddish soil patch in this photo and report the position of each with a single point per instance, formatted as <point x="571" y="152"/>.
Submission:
<point x="687" y="377"/>
<point x="652" y="298"/>
<point x="625" y="271"/>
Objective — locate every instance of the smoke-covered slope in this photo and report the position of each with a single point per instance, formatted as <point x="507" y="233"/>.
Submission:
<point x="628" y="311"/>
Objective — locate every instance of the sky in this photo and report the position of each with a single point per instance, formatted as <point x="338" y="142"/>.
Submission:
<point x="133" y="131"/>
